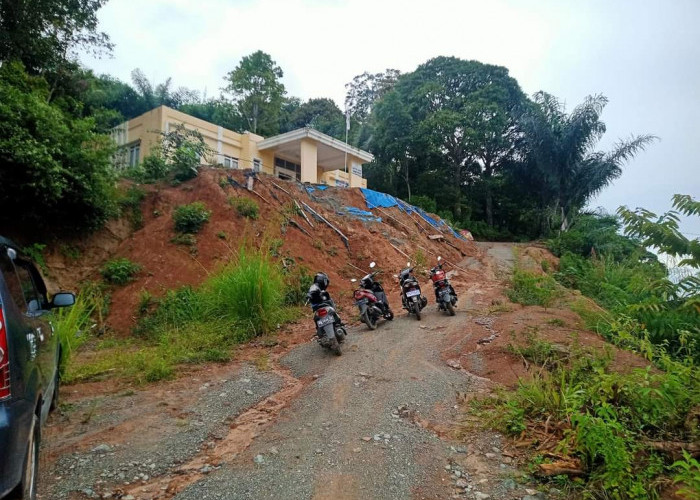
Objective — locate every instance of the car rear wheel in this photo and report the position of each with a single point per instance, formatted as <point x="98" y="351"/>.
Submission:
<point x="26" y="490"/>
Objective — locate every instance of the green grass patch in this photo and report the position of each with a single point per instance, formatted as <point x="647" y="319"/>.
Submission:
<point x="245" y="207"/>
<point x="248" y="297"/>
<point x="119" y="271"/>
<point x="530" y="289"/>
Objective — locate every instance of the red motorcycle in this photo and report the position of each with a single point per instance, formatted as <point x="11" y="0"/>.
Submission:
<point x="445" y="295"/>
<point x="371" y="300"/>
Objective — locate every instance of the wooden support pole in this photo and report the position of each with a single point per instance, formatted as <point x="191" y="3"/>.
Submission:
<point x="322" y="219"/>
<point x="259" y="196"/>
<point x="394" y="218"/>
<point x="281" y="188"/>
<point x="296" y="203"/>
<point x="296" y="225"/>
<point x="398" y="250"/>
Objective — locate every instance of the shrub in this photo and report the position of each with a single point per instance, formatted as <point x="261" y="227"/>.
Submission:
<point x="606" y="419"/>
<point x="186" y="239"/>
<point x="425" y="202"/>
<point x="190" y="218"/>
<point x="530" y="289"/>
<point x="154" y="166"/>
<point x="129" y="202"/>
<point x="245" y="207"/>
<point x="297" y="283"/>
<point x="119" y="271"/>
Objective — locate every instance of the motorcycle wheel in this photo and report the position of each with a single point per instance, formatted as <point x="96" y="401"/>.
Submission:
<point x="337" y="350"/>
<point x="389" y="315"/>
<point x="450" y="309"/>
<point x="418" y="315"/>
<point x="369" y="321"/>
<point x="340" y="334"/>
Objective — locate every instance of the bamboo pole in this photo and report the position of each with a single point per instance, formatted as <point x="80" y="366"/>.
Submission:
<point x="322" y="219"/>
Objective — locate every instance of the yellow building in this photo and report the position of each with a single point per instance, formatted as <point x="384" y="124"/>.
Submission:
<point x="305" y="154"/>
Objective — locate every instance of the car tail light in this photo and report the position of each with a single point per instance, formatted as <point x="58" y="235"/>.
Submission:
<point x="322" y="313"/>
<point x="4" y="360"/>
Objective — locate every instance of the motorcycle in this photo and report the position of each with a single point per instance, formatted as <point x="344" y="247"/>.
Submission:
<point x="445" y="295"/>
<point x="411" y="297"/>
<point x="330" y="332"/>
<point x="371" y="300"/>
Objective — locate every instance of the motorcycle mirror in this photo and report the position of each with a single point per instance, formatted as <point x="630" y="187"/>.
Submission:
<point x="353" y="280"/>
<point x="372" y="264"/>
<point x="439" y="258"/>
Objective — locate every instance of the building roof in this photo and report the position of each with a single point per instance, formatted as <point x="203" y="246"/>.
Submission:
<point x="295" y="136"/>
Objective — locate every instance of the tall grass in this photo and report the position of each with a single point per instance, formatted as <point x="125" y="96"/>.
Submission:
<point x="71" y="324"/>
<point x="242" y="300"/>
<point x="248" y="292"/>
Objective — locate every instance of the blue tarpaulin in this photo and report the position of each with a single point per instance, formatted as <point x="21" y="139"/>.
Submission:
<point x="360" y="214"/>
<point x="310" y="188"/>
<point x="375" y="199"/>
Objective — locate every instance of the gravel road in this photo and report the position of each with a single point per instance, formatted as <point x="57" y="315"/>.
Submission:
<point x="367" y="427"/>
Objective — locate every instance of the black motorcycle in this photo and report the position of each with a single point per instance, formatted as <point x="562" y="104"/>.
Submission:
<point x="371" y="300"/>
<point x="330" y="331"/>
<point x="411" y="297"/>
<point x="445" y="295"/>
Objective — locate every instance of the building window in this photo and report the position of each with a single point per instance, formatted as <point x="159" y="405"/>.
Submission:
<point x="134" y="155"/>
<point x="230" y="162"/>
<point x="257" y="165"/>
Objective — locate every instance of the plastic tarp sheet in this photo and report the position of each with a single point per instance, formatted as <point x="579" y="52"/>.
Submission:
<point x="357" y="213"/>
<point x="375" y="199"/>
<point x="310" y="188"/>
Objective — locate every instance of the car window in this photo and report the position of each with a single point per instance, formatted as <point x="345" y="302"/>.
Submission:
<point x="12" y="281"/>
<point x="32" y="298"/>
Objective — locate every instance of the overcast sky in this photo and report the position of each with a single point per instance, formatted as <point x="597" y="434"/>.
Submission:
<point x="643" y="55"/>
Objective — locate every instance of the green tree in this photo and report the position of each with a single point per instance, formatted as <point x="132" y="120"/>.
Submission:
<point x="55" y="170"/>
<point x="255" y="87"/>
<point x="366" y="89"/>
<point x="560" y="148"/>
<point x="322" y="114"/>
<point x="663" y="232"/>
<point x="185" y="150"/>
<point x="162" y="94"/>
<point x="460" y="119"/>
<point x="42" y="33"/>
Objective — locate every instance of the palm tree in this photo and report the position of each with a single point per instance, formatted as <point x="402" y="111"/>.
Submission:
<point x="561" y="148"/>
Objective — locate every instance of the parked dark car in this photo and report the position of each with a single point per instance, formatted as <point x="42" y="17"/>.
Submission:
<point x="30" y="354"/>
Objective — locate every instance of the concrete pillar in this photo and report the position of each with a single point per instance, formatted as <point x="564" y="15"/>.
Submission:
<point x="309" y="155"/>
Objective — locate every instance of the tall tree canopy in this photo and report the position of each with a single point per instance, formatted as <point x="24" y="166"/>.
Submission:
<point x="255" y="87"/>
<point x="561" y="147"/>
<point x="462" y="116"/>
<point x="366" y="89"/>
<point x="322" y="114"/>
<point x="41" y="33"/>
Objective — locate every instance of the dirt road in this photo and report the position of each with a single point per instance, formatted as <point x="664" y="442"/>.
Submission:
<point x="377" y="422"/>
